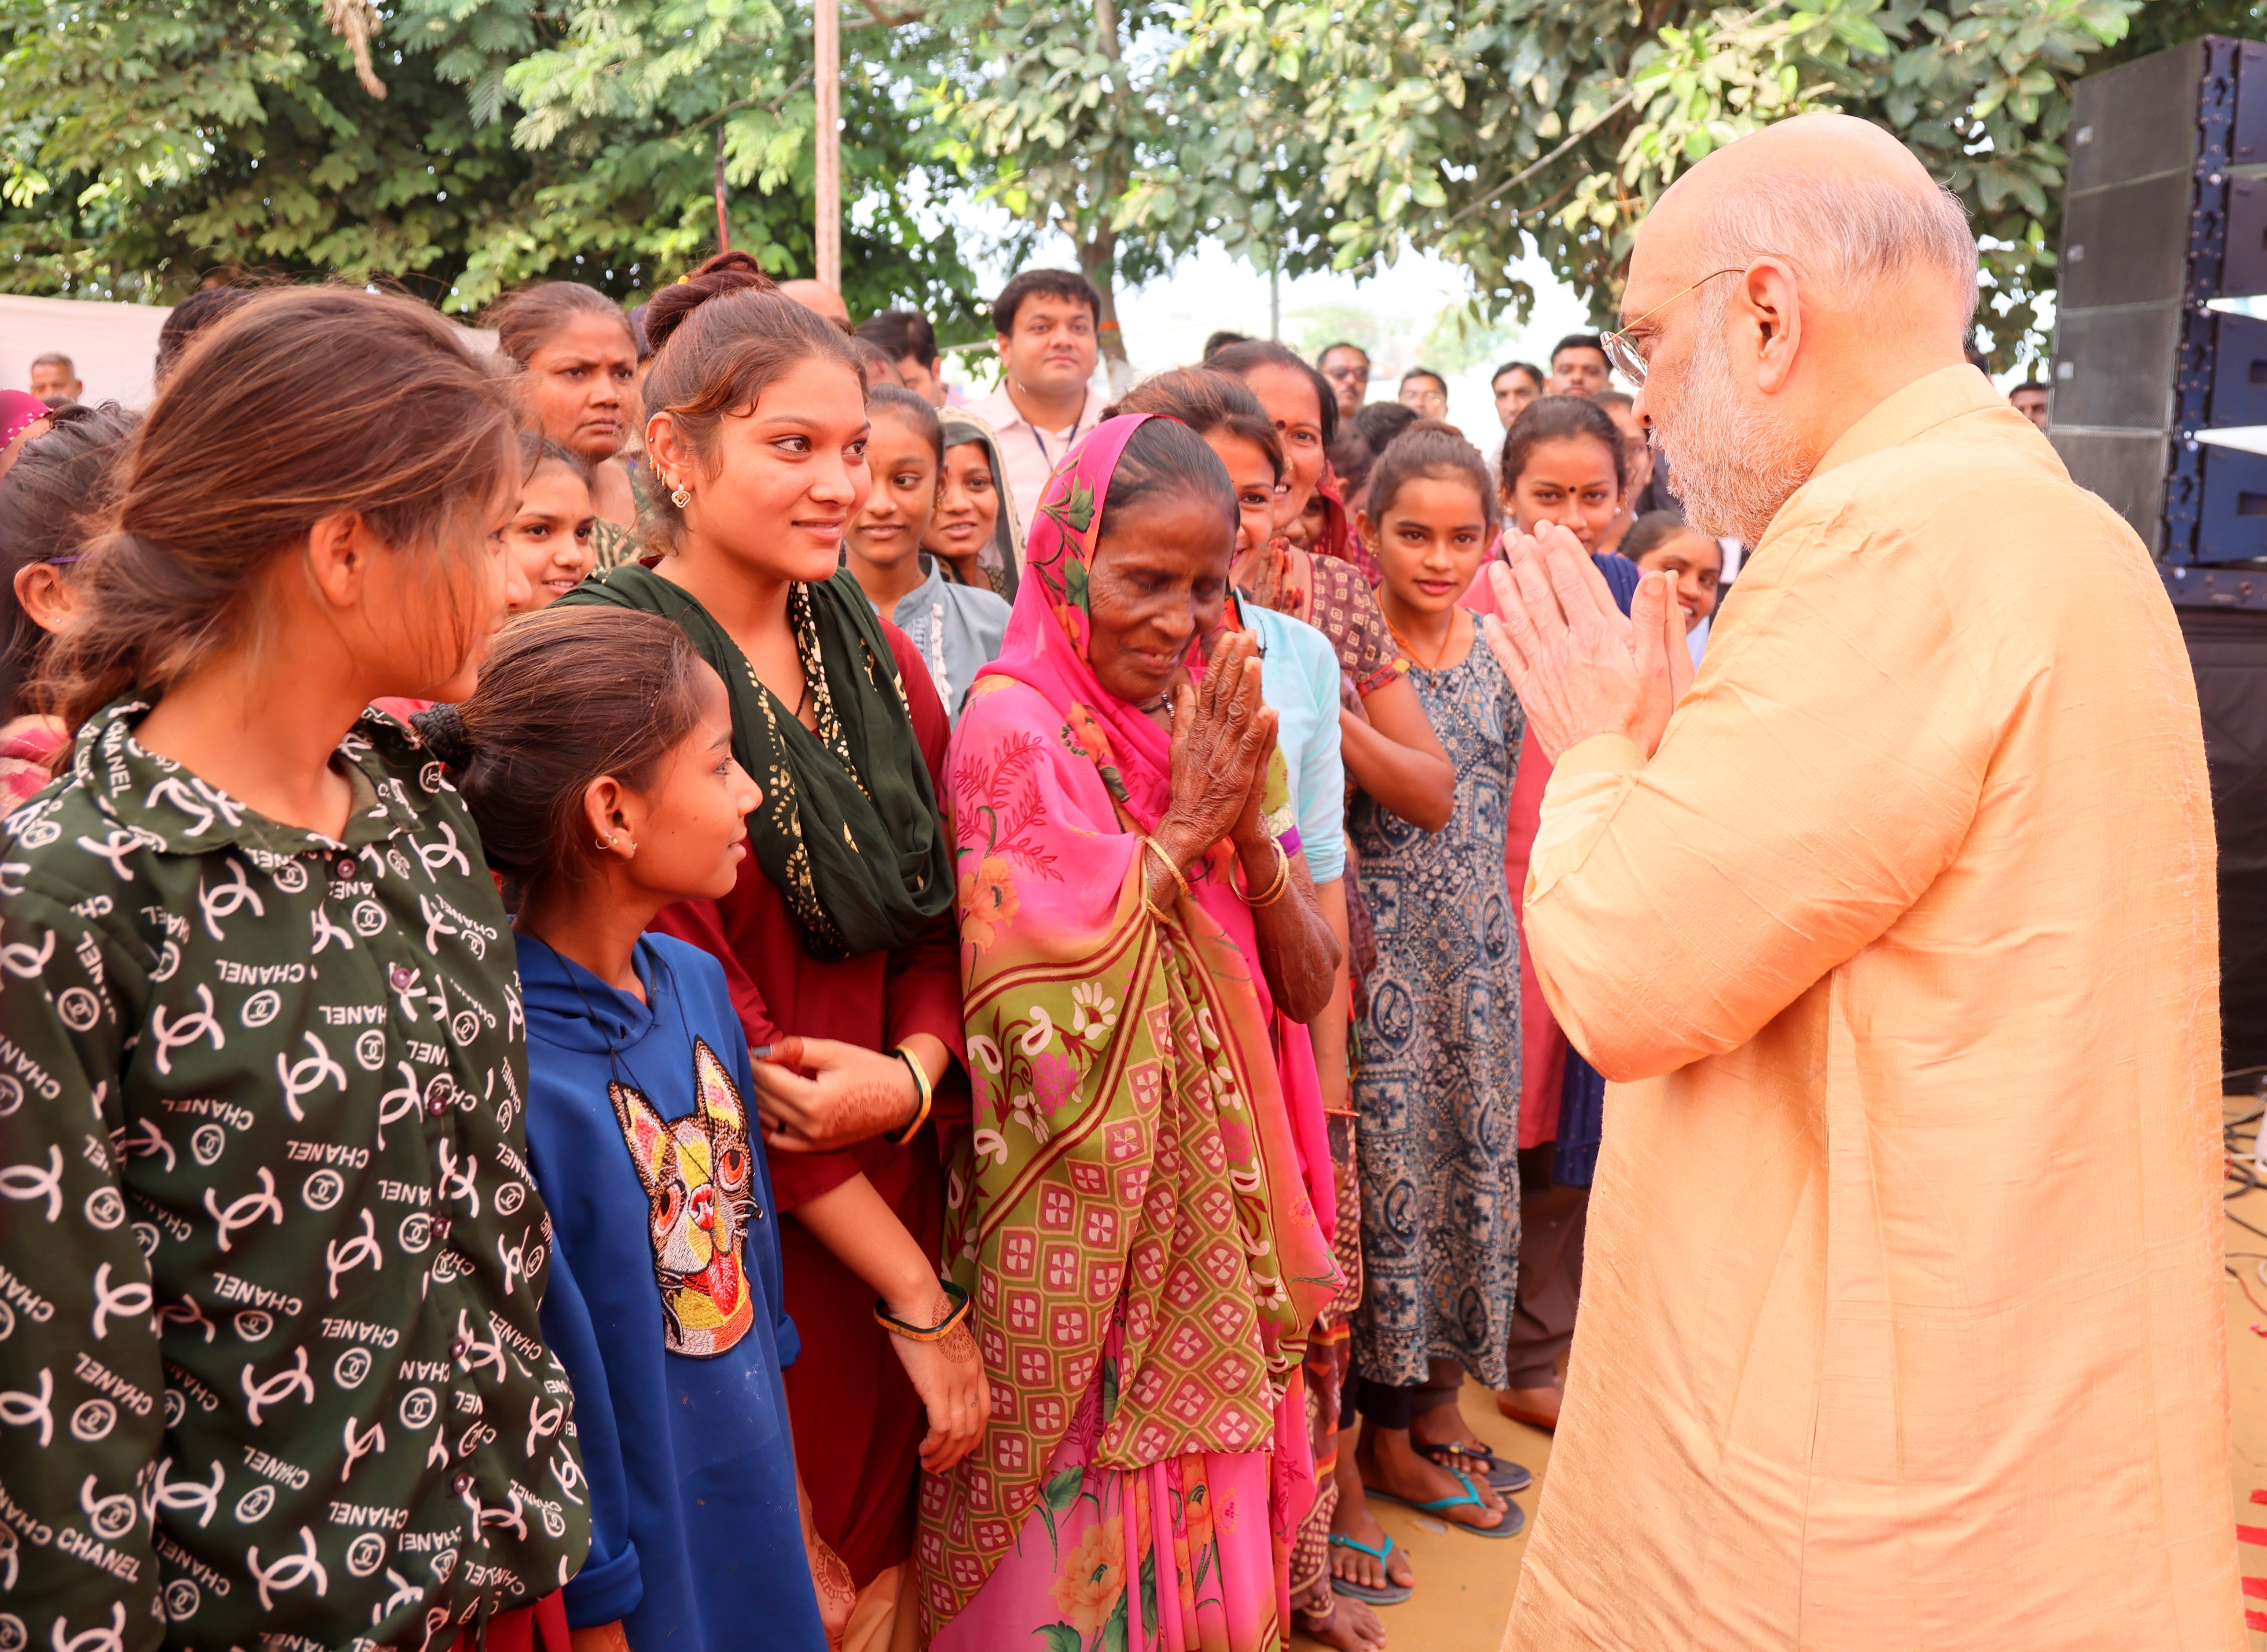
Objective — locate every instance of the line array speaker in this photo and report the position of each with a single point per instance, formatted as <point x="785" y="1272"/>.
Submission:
<point x="2165" y="211"/>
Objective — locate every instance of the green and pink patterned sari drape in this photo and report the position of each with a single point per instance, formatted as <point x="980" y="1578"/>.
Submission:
<point x="1129" y="1212"/>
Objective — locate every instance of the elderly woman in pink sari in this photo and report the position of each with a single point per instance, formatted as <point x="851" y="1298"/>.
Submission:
<point x="1137" y="1216"/>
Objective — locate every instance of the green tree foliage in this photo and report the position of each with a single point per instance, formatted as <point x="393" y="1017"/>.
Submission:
<point x="1487" y="130"/>
<point x="150" y="143"/>
<point x="639" y="102"/>
<point x="1048" y="108"/>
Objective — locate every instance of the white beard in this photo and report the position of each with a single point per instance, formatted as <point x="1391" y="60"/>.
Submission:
<point x="1733" y="462"/>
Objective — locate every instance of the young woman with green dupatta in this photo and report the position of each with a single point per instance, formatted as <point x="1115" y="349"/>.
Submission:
<point x="838" y="941"/>
<point x="1132" y="1216"/>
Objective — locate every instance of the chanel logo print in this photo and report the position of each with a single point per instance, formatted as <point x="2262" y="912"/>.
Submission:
<point x="111" y="1517"/>
<point x="289" y="1571"/>
<point x="26" y="1182"/>
<point x="283" y="1385"/>
<point x="222" y="901"/>
<point x="130" y="1301"/>
<point x="201" y="1499"/>
<point x="247" y="1071"/>
<point x="31" y="1411"/>
<point x="243" y="1212"/>
<point x="302" y="1077"/>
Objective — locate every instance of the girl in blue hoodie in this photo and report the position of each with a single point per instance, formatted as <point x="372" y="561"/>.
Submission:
<point x="596" y="756"/>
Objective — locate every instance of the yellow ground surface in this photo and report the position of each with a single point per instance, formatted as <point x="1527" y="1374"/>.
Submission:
<point x="2247" y="1362"/>
<point x="1464" y="1585"/>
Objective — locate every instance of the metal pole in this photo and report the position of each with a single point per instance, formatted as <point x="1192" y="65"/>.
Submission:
<point x="826" y="33"/>
<point x="1275" y="302"/>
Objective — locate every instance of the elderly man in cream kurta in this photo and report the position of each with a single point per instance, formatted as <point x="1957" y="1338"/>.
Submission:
<point x="1902" y="1326"/>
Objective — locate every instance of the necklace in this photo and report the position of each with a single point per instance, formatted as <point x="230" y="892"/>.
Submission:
<point x="1408" y="648"/>
<point x="1163" y="702"/>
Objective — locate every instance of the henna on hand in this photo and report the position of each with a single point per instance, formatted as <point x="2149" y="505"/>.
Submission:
<point x="958" y="1346"/>
<point x="830" y="1581"/>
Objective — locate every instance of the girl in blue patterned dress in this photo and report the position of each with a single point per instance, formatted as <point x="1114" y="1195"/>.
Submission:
<point x="1438" y="1093"/>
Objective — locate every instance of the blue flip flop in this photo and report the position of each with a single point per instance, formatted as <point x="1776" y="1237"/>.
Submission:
<point x="1392" y="1595"/>
<point x="1513" y="1523"/>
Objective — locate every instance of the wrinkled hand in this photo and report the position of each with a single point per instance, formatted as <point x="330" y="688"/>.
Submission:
<point x="852" y="1094"/>
<point x="948" y="1377"/>
<point x="1580" y="666"/>
<point x="1223" y="735"/>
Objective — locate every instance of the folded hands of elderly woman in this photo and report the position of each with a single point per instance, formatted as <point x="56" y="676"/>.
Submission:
<point x="1223" y="738"/>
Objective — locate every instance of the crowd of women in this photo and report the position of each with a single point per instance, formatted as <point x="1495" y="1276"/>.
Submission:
<point x="677" y="1031"/>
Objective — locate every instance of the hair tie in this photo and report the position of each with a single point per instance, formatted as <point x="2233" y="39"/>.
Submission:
<point x="442" y="731"/>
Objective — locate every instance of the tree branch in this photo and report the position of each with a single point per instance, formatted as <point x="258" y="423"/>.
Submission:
<point x="883" y="19"/>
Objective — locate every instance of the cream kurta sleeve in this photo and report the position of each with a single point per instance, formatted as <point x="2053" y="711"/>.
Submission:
<point x="1813" y="785"/>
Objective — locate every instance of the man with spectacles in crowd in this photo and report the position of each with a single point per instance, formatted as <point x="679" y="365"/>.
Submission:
<point x="1347" y="368"/>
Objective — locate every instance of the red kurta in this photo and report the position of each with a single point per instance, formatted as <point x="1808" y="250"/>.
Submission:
<point x="857" y="1422"/>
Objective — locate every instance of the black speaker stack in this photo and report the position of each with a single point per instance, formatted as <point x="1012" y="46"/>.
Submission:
<point x="2165" y="211"/>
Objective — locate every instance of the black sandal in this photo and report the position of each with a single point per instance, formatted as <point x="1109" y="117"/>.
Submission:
<point x="1501" y="1472"/>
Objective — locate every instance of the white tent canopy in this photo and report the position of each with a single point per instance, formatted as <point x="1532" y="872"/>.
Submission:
<point x="113" y="346"/>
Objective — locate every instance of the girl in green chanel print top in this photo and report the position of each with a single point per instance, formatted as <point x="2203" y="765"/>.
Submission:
<point x="270" y="1261"/>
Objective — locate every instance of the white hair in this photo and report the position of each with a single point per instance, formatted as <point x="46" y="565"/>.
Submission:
<point x="1854" y="234"/>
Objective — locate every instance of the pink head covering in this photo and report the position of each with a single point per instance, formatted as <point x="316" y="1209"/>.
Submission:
<point x="1049" y="634"/>
<point x="1051" y="627"/>
<point x="17" y="409"/>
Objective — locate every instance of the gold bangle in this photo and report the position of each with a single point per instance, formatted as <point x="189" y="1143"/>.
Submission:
<point x="1158" y="849"/>
<point x="928" y="1097"/>
<point x="936" y="1332"/>
<point x="1274" y="890"/>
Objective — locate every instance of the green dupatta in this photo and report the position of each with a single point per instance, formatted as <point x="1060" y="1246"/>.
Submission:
<point x="847" y="828"/>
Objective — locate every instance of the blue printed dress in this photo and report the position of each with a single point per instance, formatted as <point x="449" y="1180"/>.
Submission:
<point x="1438" y="1088"/>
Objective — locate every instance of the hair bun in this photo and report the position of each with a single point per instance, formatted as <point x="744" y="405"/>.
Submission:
<point x="726" y="272"/>
<point x="442" y="731"/>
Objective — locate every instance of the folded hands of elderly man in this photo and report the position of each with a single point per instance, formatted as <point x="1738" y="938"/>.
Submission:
<point x="1580" y="667"/>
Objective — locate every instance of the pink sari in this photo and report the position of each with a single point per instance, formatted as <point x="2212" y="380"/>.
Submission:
<point x="1129" y="1212"/>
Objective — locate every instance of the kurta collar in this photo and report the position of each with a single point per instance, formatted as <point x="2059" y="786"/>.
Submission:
<point x="165" y="806"/>
<point x="1922" y="404"/>
<point x="927" y="589"/>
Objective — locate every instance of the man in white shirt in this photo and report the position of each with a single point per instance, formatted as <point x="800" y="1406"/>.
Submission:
<point x="1046" y="320"/>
